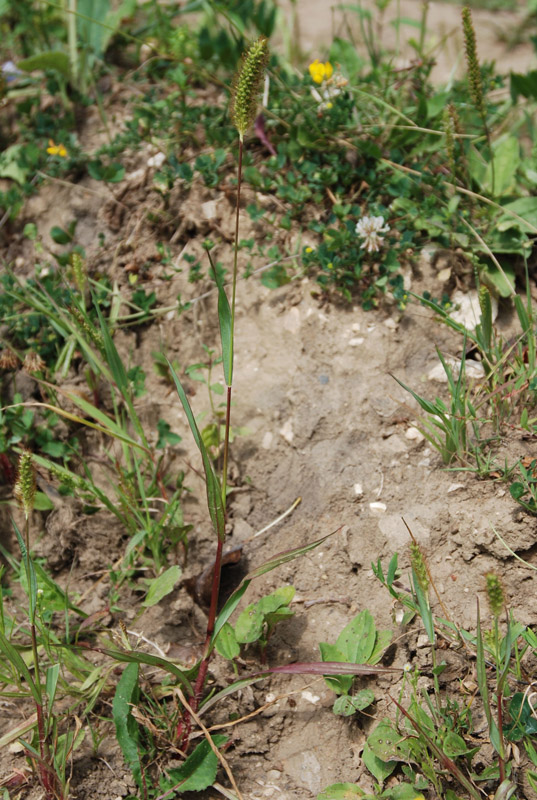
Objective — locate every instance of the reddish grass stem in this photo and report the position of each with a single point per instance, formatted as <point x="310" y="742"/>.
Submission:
<point x="211" y="620"/>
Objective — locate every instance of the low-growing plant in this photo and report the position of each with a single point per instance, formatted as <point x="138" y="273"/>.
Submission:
<point x="256" y="623"/>
<point x="432" y="742"/>
<point x="358" y="643"/>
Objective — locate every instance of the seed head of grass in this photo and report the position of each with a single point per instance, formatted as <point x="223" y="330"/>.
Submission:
<point x="24" y="489"/>
<point x="474" y="73"/>
<point x="247" y="85"/>
<point x="495" y="593"/>
<point x="419" y="566"/>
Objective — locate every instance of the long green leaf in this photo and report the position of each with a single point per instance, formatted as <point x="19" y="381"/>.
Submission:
<point x="198" y="772"/>
<point x="233" y="687"/>
<point x="108" y="426"/>
<point x="119" y="373"/>
<point x="214" y="493"/>
<point x="30" y="572"/>
<point x="127" y="733"/>
<point x="17" y="661"/>
<point x="133" y="657"/>
<point x="424" y="607"/>
<point x="287" y="555"/>
<point x="51" y="684"/>
<point x="224" y="318"/>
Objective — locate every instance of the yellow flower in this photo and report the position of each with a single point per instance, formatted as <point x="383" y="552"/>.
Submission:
<point x="56" y="149"/>
<point x="309" y="250"/>
<point x="320" y="72"/>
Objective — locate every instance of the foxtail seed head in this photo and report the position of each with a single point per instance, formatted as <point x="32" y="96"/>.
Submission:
<point x="79" y="271"/>
<point x="495" y="593"/>
<point x="484" y="300"/>
<point x="449" y="131"/>
<point x="24" y="489"/>
<point x="419" y="566"/>
<point x="247" y="85"/>
<point x="474" y="73"/>
<point x="91" y="332"/>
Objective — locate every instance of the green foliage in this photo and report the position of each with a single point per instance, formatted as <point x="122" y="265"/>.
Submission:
<point x="127" y="732"/>
<point x="197" y="772"/>
<point x="358" y="643"/>
<point x="256" y="622"/>
<point x="162" y="585"/>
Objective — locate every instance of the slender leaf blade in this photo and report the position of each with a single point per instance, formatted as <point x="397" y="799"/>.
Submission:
<point x="126" y="695"/>
<point x="226" y="326"/>
<point x="214" y="493"/>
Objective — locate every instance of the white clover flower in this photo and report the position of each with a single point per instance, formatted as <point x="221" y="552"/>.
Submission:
<point x="332" y="87"/>
<point x="369" y="229"/>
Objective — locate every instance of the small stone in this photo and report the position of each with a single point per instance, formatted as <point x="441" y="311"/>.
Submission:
<point x="414" y="435"/>
<point x="291" y="321"/>
<point x="287" y="431"/>
<point x="358" y="489"/>
<point x="356" y="342"/>
<point x="453" y="487"/>
<point x="323" y="379"/>
<point x="208" y="209"/>
<point x="377" y="507"/>
<point x="310" y="697"/>
<point x="157" y="160"/>
<point x="468" y="310"/>
<point x="355" y="327"/>
<point x="423" y="641"/>
<point x="267" y="440"/>
<point x="473" y="369"/>
<point x="390" y="323"/>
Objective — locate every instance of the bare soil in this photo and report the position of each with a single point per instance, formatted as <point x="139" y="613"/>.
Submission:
<point x="327" y="423"/>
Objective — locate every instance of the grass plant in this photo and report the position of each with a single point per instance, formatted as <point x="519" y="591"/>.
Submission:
<point x="364" y="164"/>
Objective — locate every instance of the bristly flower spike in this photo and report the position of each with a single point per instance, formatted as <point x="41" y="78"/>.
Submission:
<point x="495" y="593"/>
<point x="247" y="85"/>
<point x="24" y="489"/>
<point x="419" y="566"/>
<point x="474" y="73"/>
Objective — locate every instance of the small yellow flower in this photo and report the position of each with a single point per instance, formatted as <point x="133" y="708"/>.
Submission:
<point x="56" y="149"/>
<point x="320" y="72"/>
<point x="309" y="250"/>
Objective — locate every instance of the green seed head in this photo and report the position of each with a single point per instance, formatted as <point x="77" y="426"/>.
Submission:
<point x="91" y="332"/>
<point x="472" y="62"/>
<point x="495" y="593"/>
<point x="24" y="489"/>
<point x="484" y="300"/>
<point x="449" y="130"/>
<point x="247" y="85"/>
<point x="419" y="566"/>
<point x="79" y="271"/>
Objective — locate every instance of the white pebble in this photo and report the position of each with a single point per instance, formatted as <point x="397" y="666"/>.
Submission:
<point x="267" y="440"/>
<point x="157" y="160"/>
<point x="378" y="507"/>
